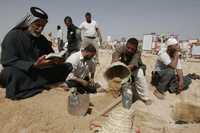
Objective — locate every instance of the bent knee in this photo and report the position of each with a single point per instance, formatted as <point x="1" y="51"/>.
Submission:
<point x="69" y="66"/>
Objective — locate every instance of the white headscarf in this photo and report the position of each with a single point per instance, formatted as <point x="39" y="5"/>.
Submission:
<point x="171" y="41"/>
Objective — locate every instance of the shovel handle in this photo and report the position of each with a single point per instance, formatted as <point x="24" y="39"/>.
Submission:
<point x="111" y="106"/>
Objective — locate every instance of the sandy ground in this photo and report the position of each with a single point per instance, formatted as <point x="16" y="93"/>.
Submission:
<point x="47" y="112"/>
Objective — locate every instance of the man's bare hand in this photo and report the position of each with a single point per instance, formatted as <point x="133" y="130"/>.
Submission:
<point x="41" y="62"/>
<point x="84" y="83"/>
<point x="58" y="61"/>
<point x="132" y="67"/>
<point x="91" y="82"/>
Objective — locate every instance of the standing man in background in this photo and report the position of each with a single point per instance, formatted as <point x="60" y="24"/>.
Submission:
<point x="73" y="36"/>
<point x="90" y="32"/>
<point x="60" y="38"/>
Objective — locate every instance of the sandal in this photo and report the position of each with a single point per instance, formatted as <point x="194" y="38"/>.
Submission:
<point x="159" y="95"/>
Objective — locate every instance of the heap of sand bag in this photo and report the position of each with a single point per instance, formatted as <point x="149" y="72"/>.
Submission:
<point x="120" y="119"/>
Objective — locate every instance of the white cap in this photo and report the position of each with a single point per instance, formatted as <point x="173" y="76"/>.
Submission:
<point x="171" y="41"/>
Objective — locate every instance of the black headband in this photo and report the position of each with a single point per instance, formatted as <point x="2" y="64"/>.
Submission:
<point x="37" y="12"/>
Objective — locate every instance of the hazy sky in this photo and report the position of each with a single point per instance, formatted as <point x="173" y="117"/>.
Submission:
<point x="116" y="18"/>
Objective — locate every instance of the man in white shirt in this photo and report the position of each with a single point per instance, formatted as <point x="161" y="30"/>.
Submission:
<point x="90" y="31"/>
<point x="59" y="38"/>
<point x="168" y="73"/>
<point x="82" y="75"/>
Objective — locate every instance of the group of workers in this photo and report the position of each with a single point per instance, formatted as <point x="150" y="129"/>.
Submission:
<point x="26" y="71"/>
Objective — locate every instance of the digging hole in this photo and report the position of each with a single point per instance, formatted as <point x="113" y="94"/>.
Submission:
<point x="184" y="113"/>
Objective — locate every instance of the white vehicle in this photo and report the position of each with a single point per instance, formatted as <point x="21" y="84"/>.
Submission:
<point x="147" y="42"/>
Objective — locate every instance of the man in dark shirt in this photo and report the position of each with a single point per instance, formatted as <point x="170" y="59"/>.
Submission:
<point x="73" y="36"/>
<point x="25" y="69"/>
<point x="129" y="55"/>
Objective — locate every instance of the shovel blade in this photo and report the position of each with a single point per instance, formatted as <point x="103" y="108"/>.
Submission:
<point x="79" y="105"/>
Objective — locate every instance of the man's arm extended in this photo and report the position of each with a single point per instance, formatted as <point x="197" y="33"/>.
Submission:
<point x="99" y="35"/>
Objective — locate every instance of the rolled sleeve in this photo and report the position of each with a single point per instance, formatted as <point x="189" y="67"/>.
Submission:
<point x="164" y="58"/>
<point x="179" y="66"/>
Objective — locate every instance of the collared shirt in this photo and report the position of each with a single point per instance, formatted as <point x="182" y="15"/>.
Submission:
<point x="89" y="29"/>
<point x="163" y="60"/>
<point x="81" y="68"/>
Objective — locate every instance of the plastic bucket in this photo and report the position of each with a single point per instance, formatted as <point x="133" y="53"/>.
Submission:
<point x="117" y="69"/>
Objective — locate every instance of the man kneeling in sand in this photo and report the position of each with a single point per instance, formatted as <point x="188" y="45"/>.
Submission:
<point x="168" y="73"/>
<point x="82" y="75"/>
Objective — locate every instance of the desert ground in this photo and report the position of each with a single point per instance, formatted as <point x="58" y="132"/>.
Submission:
<point x="47" y="111"/>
